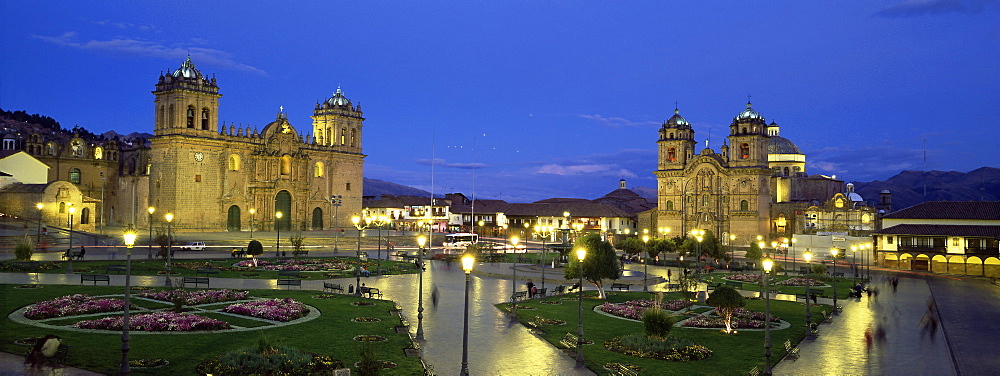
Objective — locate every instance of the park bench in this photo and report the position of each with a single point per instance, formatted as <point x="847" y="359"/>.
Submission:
<point x="620" y="286"/>
<point x="792" y="350"/>
<point x="333" y="287"/>
<point x="289" y="273"/>
<point x="518" y="295"/>
<point x="618" y="369"/>
<point x="541" y="292"/>
<point x="289" y="282"/>
<point x="237" y="253"/>
<point x="673" y="286"/>
<point x="569" y="341"/>
<point x="837" y="274"/>
<point x="298" y="253"/>
<point x="559" y="290"/>
<point x="207" y="271"/>
<point x="95" y="278"/>
<point x="755" y="371"/>
<point x="370" y="291"/>
<point x="804" y="270"/>
<point x="118" y="269"/>
<point x="71" y="254"/>
<point x="196" y="281"/>
<point x="735" y="284"/>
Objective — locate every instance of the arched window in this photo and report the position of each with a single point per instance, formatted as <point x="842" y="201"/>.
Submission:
<point x="173" y="117"/>
<point x="98" y="153"/>
<point x="52" y="148"/>
<point x="74" y="175"/>
<point x="160" y="117"/>
<point x="704" y="200"/>
<point x="672" y="154"/>
<point x="317" y="219"/>
<point x="85" y="216"/>
<point x="62" y="207"/>
<point x="343" y="136"/>
<point x="354" y="138"/>
<point x="234" y="162"/>
<point x="318" y="170"/>
<point x="670" y="205"/>
<point x="204" y="119"/>
<point x="286" y="165"/>
<point x="786" y="171"/>
<point x="744" y="205"/>
<point x="671" y="135"/>
<point x="744" y="150"/>
<point x="329" y="136"/>
<point x="190" y="117"/>
<point x="744" y="129"/>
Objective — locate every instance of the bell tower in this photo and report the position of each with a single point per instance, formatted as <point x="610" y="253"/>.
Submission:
<point x="186" y="102"/>
<point x="338" y="123"/>
<point x="748" y="139"/>
<point x="676" y="143"/>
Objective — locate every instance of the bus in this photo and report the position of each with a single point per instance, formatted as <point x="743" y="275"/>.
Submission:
<point x="460" y="240"/>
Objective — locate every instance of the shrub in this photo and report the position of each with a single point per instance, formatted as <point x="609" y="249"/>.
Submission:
<point x="657" y="322"/>
<point x="819" y="269"/>
<point x="254" y="248"/>
<point x="369" y="364"/>
<point x="23" y="250"/>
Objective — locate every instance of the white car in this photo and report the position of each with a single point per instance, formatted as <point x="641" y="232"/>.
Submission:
<point x="194" y="246"/>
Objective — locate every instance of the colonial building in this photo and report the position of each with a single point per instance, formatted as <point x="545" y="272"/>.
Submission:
<point x="212" y="177"/>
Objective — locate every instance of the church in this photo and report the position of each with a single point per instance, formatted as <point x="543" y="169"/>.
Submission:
<point x="214" y="177"/>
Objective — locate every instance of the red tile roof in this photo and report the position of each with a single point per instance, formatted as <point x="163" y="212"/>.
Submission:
<point x="943" y="230"/>
<point x="983" y="210"/>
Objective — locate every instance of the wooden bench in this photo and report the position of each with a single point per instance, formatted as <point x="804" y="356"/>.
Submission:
<point x="792" y="350"/>
<point x="518" y="296"/>
<point x="620" y="286"/>
<point x="237" y="253"/>
<point x="618" y="369"/>
<point x="300" y="253"/>
<point x="333" y="287"/>
<point x="290" y="282"/>
<point x="541" y="292"/>
<point x="73" y="255"/>
<point x="569" y="341"/>
<point x="289" y="273"/>
<point x="755" y="371"/>
<point x="196" y="281"/>
<point x="673" y="286"/>
<point x="370" y="291"/>
<point x="559" y="290"/>
<point x="95" y="278"/>
<point x="837" y="274"/>
<point x="207" y="271"/>
<point x="118" y="269"/>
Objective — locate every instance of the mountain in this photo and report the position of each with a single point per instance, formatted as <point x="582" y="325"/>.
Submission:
<point x="375" y="187"/>
<point x="645" y="192"/>
<point x="907" y="187"/>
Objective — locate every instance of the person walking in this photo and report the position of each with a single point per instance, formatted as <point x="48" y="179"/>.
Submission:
<point x="531" y="289"/>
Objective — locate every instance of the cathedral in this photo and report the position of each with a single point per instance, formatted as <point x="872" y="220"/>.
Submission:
<point x="215" y="177"/>
<point x="737" y="191"/>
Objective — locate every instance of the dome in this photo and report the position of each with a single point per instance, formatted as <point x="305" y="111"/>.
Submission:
<point x="749" y="114"/>
<point x="677" y="120"/>
<point x="338" y="99"/>
<point x="781" y="145"/>
<point x="187" y="70"/>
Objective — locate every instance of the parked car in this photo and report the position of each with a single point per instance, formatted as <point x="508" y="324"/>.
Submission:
<point x="194" y="246"/>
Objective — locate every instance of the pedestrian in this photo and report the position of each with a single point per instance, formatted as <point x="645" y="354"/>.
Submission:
<point x="895" y="282"/>
<point x="668" y="275"/>
<point x="531" y="289"/>
<point x="434" y="296"/>
<point x="868" y="339"/>
<point x="83" y="251"/>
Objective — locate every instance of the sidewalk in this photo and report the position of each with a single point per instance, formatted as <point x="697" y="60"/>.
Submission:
<point x="11" y="364"/>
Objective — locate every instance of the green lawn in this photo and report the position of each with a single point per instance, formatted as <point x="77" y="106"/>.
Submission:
<point x="843" y="284"/>
<point x="330" y="334"/>
<point x="733" y="354"/>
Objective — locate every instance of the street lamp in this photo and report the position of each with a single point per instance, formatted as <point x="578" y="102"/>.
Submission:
<point x="833" y="251"/>
<point x="421" y="241"/>
<point x="336" y="201"/>
<point x="380" y="221"/>
<point x="581" y="254"/>
<point x="129" y="235"/>
<point x="543" y="232"/>
<point x="663" y="231"/>
<point x="253" y="215"/>
<point x="794" y="260"/>
<point x="808" y="256"/>
<point x="38" y="238"/>
<point x="513" y="282"/>
<point x="645" y="263"/>
<point x="356" y="220"/>
<point x="170" y="218"/>
<point x="69" y="252"/>
<point x="149" y="251"/>
<point x="277" y="227"/>
<point x="774" y="249"/>
<point x="854" y="263"/>
<point x="699" y="236"/>
<point x="767" y="263"/>
<point x="467" y="263"/>
<point x="481" y="232"/>
<point x="732" y="250"/>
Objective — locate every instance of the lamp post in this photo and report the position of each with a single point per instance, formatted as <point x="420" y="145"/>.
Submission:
<point x="513" y="282"/>
<point x="767" y="263"/>
<point x="38" y="237"/>
<point x="580" y="255"/>
<point x="149" y="250"/>
<point x="784" y="245"/>
<point x="102" y="202"/>
<point x="834" y="251"/>
<point x="774" y="249"/>
<point x="809" y="333"/>
<point x="467" y="262"/>
<point x="380" y="221"/>
<point x="854" y="263"/>
<point x="421" y="241"/>
<point x="336" y="201"/>
<point x="253" y="215"/>
<point x="870" y="250"/>
<point x="732" y="250"/>
<point x="277" y="227"/>
<point x="794" y="260"/>
<point x="543" y="232"/>
<point x="130" y="234"/>
<point x="356" y="220"/>
<point x="645" y="263"/>
<point x="170" y="218"/>
<point x="69" y="269"/>
<point x="699" y="236"/>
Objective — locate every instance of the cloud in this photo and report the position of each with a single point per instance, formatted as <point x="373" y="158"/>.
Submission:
<point x="587" y="169"/>
<point x="441" y="162"/>
<point x="618" y="122"/>
<point x="137" y="47"/>
<point x="912" y="8"/>
<point x="864" y="163"/>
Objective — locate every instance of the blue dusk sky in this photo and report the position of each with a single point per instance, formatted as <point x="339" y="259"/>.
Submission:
<point x="526" y="100"/>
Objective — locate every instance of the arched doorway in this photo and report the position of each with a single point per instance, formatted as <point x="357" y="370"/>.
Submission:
<point x="283" y="204"/>
<point x="85" y="216"/>
<point x="233" y="222"/>
<point x="317" y="219"/>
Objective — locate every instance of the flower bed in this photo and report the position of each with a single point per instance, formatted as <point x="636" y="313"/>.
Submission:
<point x="196" y="297"/>
<point x="633" y="309"/>
<point x="297" y="265"/>
<point x="156" y="322"/>
<point x="752" y="278"/>
<point x="283" y="310"/>
<point x="369" y="338"/>
<point x="680" y="353"/>
<point x="366" y="319"/>
<point x="799" y="281"/>
<point x="742" y="319"/>
<point x="70" y="305"/>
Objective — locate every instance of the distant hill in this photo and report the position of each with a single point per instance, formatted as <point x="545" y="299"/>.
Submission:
<point x="375" y="187"/>
<point x="907" y="187"/>
<point x="645" y="192"/>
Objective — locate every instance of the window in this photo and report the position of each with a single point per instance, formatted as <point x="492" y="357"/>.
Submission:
<point x="672" y="154"/>
<point x="149" y="168"/>
<point x="704" y="200"/>
<point x="190" y="117"/>
<point x="74" y="175"/>
<point x="286" y="165"/>
<point x="160" y="118"/>
<point x="234" y="162"/>
<point x="744" y="150"/>
<point x="77" y="147"/>
<point x="888" y="239"/>
<point x="85" y="216"/>
<point x="204" y="119"/>
<point x="62" y="207"/>
<point x="348" y="186"/>
<point x="52" y="148"/>
<point x="744" y="205"/>
<point x="172" y="115"/>
<point x="954" y="242"/>
<point x="8" y="144"/>
<point x="670" y="205"/>
<point x="98" y="153"/>
<point x="318" y="170"/>
<point x="343" y="135"/>
<point x="786" y="171"/>
<point x="354" y="138"/>
<point x="197" y="178"/>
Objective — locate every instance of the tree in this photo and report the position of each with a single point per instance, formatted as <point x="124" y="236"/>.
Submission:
<point x="599" y="264"/>
<point x="254" y="249"/>
<point x="630" y="245"/>
<point x="658" y="246"/>
<point x="297" y="242"/>
<point x="754" y="252"/>
<point x="163" y="241"/>
<point x="726" y="300"/>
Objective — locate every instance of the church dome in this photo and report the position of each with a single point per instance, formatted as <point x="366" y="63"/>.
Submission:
<point x="749" y="114"/>
<point x="187" y="70"/>
<point x="338" y="99"/>
<point x="677" y="120"/>
<point x="781" y="145"/>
